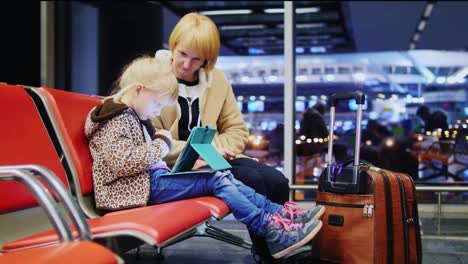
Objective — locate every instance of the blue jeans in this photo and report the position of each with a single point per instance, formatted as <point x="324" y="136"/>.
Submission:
<point x="246" y="205"/>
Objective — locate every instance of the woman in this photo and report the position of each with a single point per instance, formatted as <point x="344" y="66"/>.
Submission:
<point x="206" y="98"/>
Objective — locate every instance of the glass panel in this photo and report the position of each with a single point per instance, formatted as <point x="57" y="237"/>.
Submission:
<point x="401" y="70"/>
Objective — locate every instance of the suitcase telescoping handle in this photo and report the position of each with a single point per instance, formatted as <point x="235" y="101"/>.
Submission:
<point x="334" y="98"/>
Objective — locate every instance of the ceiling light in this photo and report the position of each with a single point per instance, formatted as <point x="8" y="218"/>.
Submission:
<point x="440" y="80"/>
<point x="273" y="10"/>
<point x="313" y="37"/>
<point x="318" y="49"/>
<point x="304" y="10"/>
<point x="301" y="78"/>
<point x="256" y="51"/>
<point x="310" y="25"/>
<point x="359" y="76"/>
<point x="451" y="80"/>
<point x="245" y="79"/>
<point x="226" y="12"/>
<point x="306" y="25"/>
<point x="330" y="77"/>
<point x="428" y="10"/>
<point x="421" y="25"/>
<point x="272" y="78"/>
<point x="301" y="10"/>
<point x="240" y="27"/>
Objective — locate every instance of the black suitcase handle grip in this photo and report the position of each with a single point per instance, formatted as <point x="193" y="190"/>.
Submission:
<point x="344" y="172"/>
<point x="360" y="97"/>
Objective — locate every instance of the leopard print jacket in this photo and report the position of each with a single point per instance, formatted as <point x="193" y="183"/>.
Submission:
<point x="122" y="158"/>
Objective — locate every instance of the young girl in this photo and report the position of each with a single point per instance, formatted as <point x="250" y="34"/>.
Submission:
<point x="127" y="162"/>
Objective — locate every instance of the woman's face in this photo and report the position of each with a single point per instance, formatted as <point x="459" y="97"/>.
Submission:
<point x="186" y="62"/>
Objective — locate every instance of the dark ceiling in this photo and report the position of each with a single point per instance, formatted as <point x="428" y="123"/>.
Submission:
<point x="320" y="25"/>
<point x="337" y="27"/>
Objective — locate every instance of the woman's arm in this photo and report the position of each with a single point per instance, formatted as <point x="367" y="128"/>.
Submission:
<point x="232" y="131"/>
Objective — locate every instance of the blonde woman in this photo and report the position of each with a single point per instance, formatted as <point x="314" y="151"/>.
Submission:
<point x="128" y="167"/>
<point x="206" y="98"/>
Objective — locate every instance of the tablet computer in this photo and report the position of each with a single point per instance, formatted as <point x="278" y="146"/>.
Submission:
<point x="199" y="144"/>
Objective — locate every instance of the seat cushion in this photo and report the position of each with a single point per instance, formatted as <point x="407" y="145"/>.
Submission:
<point x="217" y="207"/>
<point x="68" y="252"/>
<point x="155" y="224"/>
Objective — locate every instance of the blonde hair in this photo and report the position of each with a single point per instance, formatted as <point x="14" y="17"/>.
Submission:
<point x="200" y="33"/>
<point x="150" y="73"/>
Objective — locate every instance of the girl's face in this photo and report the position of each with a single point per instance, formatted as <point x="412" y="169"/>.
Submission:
<point x="186" y="62"/>
<point x="147" y="104"/>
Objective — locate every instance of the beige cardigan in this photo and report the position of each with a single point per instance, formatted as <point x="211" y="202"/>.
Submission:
<point x="218" y="108"/>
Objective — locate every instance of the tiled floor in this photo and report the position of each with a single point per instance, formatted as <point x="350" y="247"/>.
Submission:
<point x="449" y="244"/>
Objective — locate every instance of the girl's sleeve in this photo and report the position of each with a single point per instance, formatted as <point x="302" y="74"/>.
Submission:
<point x="177" y="145"/>
<point x="122" y="155"/>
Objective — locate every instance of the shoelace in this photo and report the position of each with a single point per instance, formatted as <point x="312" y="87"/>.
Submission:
<point x="286" y="224"/>
<point x="293" y="209"/>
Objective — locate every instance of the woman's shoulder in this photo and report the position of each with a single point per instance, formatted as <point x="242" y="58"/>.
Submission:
<point x="219" y="78"/>
<point x="218" y="72"/>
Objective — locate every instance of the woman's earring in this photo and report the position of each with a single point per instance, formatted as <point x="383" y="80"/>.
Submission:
<point x="138" y="89"/>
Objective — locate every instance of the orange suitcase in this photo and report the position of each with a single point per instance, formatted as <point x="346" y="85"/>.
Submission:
<point x="371" y="214"/>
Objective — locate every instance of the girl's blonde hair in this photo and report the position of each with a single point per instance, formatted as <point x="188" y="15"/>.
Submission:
<point x="201" y="34"/>
<point x="150" y="73"/>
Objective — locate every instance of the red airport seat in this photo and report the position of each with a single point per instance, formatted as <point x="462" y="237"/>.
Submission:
<point x="68" y="250"/>
<point x="74" y="252"/>
<point x="25" y="141"/>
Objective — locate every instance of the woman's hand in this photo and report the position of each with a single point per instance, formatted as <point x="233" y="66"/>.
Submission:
<point x="227" y="154"/>
<point x="164" y="132"/>
<point x="199" y="164"/>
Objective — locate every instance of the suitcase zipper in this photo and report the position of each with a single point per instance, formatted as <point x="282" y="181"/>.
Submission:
<point x="368" y="210"/>
<point x="416" y="222"/>
<point x="405" y="219"/>
<point x="389" y="216"/>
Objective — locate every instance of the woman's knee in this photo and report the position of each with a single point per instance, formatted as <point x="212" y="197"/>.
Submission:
<point x="273" y="176"/>
<point x="251" y="178"/>
<point x="265" y="172"/>
<point x="276" y="184"/>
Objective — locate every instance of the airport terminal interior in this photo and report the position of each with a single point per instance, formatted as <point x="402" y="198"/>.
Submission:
<point x="401" y="54"/>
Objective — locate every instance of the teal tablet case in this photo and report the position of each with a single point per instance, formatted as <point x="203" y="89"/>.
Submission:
<point x="199" y="144"/>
